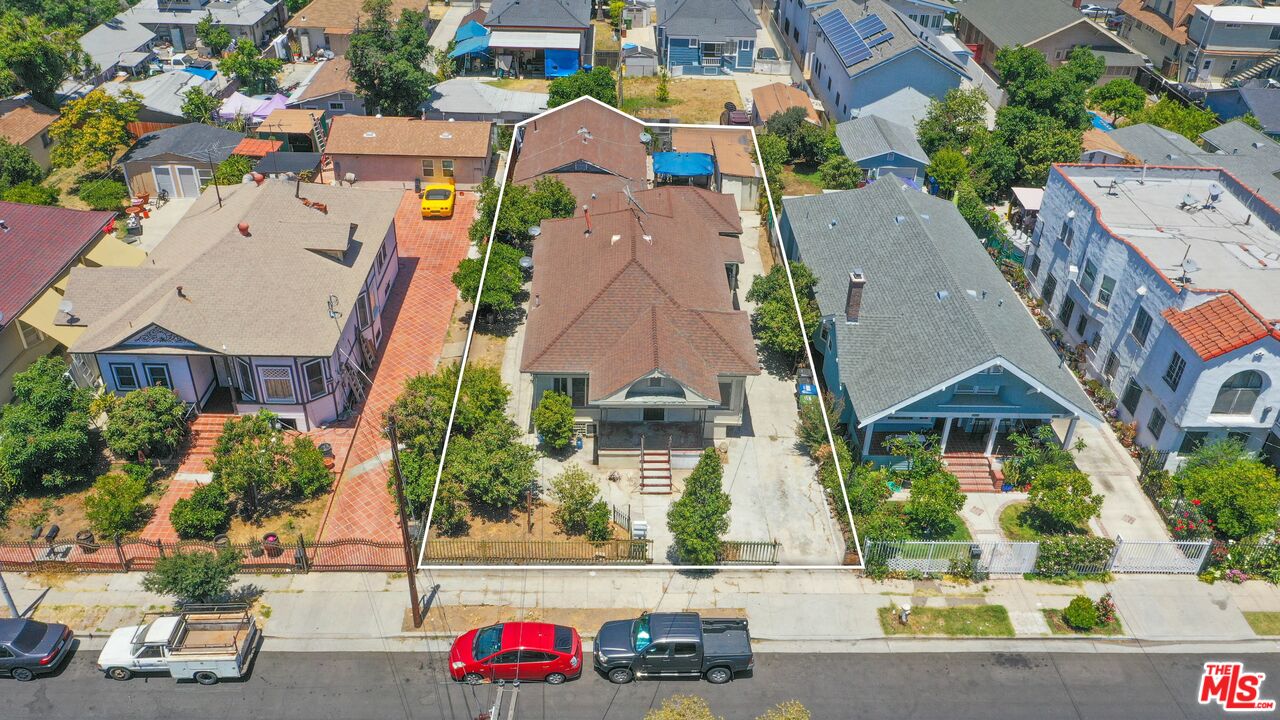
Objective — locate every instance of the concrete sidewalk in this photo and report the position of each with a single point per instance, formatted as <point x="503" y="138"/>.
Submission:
<point x="789" y="610"/>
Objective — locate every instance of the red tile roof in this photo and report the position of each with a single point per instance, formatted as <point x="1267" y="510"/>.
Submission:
<point x="1217" y="327"/>
<point x="257" y="147"/>
<point x="37" y="243"/>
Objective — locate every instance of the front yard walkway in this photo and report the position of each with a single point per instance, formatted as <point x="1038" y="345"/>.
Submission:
<point x="417" y="318"/>
<point x="1126" y="510"/>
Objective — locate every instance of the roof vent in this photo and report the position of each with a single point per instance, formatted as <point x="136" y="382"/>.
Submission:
<point x="897" y="219"/>
<point x="370" y="134"/>
<point x="834" y="222"/>
<point x="647" y="238"/>
<point x="614" y="239"/>
<point x="446" y="135"/>
<point x="942" y="295"/>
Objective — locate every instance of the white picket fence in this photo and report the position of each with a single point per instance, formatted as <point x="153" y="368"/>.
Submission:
<point x="999" y="557"/>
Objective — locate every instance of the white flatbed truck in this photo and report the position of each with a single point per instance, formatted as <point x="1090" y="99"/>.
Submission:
<point x="205" y="643"/>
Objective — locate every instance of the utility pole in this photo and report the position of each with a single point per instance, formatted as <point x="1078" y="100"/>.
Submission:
<point x="409" y="567"/>
<point x="8" y="598"/>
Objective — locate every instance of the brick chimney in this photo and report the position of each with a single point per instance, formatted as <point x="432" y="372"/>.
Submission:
<point x="853" y="300"/>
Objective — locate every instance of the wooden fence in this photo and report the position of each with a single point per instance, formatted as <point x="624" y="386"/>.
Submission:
<point x="463" y="551"/>
<point x="733" y="552"/>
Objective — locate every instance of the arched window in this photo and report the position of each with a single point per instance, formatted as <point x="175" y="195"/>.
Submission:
<point x="1238" y="394"/>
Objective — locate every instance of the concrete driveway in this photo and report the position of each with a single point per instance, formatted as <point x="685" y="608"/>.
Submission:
<point x="1126" y="510"/>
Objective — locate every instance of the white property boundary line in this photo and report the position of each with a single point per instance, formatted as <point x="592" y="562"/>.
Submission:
<point x="466" y="350"/>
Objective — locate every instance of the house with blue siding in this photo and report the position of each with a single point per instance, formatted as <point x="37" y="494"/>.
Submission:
<point x="706" y="37"/>
<point x="881" y="147"/>
<point x="869" y="60"/>
<point x="799" y="31"/>
<point x="920" y="333"/>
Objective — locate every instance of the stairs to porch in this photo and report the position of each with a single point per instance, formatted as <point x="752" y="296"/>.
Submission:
<point x="974" y="471"/>
<point x="202" y="435"/>
<point x="655" y="471"/>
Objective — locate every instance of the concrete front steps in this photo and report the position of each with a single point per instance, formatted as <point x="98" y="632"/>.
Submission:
<point x="974" y="471"/>
<point x="655" y="472"/>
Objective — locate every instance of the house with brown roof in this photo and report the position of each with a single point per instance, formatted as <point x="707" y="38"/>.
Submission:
<point x="327" y="24"/>
<point x="584" y="136"/>
<point x="403" y="150"/>
<point x="1158" y="29"/>
<point x="634" y="316"/>
<point x="25" y="122"/>
<point x="258" y="298"/>
<point x="39" y="245"/>
<point x="1098" y="147"/>
<point x="735" y="155"/>
<point x="296" y="128"/>
<point x="329" y="89"/>
<point x="769" y="100"/>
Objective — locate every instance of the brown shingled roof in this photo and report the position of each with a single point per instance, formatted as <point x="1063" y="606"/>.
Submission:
<point x="365" y="135"/>
<point x="1182" y="10"/>
<point x="584" y="130"/>
<point x="1095" y="139"/>
<point x="1217" y="327"/>
<point x="777" y="97"/>
<point x="331" y="77"/>
<point x="256" y="147"/>
<point x="340" y="16"/>
<point x="733" y="149"/>
<point x="22" y="118"/>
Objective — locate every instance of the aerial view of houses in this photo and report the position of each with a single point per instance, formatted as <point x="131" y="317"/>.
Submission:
<point x="673" y="335"/>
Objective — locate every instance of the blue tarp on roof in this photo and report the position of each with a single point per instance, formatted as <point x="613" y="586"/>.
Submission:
<point x="201" y="73"/>
<point x="470" y="45"/>
<point x="561" y="62"/>
<point x="682" y="164"/>
<point x="472" y="29"/>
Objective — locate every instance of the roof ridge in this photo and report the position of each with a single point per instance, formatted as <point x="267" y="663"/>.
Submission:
<point x="700" y="314"/>
<point x="574" y="320"/>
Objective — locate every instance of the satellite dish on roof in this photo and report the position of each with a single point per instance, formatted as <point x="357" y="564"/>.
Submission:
<point x="1190" y="265"/>
<point x="65" y="307"/>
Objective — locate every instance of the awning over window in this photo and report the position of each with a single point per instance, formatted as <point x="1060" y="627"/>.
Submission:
<point x="534" y="40"/>
<point x="678" y="164"/>
<point x="40" y="316"/>
<point x="561" y="63"/>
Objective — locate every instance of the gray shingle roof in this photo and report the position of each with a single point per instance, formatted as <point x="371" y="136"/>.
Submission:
<point x="708" y="18"/>
<point x="1153" y="144"/>
<point x="1255" y="167"/>
<point x="904" y="39"/>
<point x="871" y="135"/>
<point x="539" y="13"/>
<point x="911" y="246"/>
<point x="1018" y="22"/>
<point x="107" y="42"/>
<point x="1235" y="137"/>
<point x="194" y="140"/>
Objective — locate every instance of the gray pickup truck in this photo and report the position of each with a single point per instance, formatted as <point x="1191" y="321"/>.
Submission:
<point x="673" y="645"/>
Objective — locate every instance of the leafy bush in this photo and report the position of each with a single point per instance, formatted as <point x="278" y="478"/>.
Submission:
<point x="232" y="170"/>
<point x="1081" y="613"/>
<point x="811" y="426"/>
<point x="203" y="515"/>
<point x="1106" y="609"/>
<point x="575" y="492"/>
<point x="1062" y="498"/>
<point x="1066" y="555"/>
<point x="553" y="418"/>
<point x="682" y="707"/>
<point x="789" y="710"/>
<point x="883" y="525"/>
<point x="700" y="518"/>
<point x="30" y="194"/>
<point x="194" y="577"/>
<point x="44" y="430"/>
<point x="493" y="466"/>
<point x="149" y="422"/>
<point x="140" y="471"/>
<point x="307" y="476"/>
<point x="105" y="194"/>
<point x="114" y="506"/>
<point x="1236" y="490"/>
<point x="839" y="173"/>
<point x="599" y="521"/>
<point x="774" y="319"/>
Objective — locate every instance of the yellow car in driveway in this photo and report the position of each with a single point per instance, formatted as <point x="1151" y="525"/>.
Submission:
<point x="437" y="200"/>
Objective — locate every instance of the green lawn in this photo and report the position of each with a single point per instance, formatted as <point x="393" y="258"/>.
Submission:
<point x="801" y="179"/>
<point x="1266" y="624"/>
<point x="1015" y="526"/>
<point x="964" y="621"/>
<point x="1060" y="626"/>
<point x="959" y="531"/>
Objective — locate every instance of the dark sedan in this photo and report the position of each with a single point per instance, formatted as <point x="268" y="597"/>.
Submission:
<point x="29" y="648"/>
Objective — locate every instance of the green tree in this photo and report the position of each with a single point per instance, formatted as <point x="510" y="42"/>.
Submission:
<point x="574" y="493"/>
<point x="1186" y="120"/>
<point x="216" y="37"/>
<point x="114" y="506"/>
<point x="422" y="409"/>
<point x="255" y="72"/>
<point x="598" y="83"/>
<point x="194" y="577"/>
<point x="993" y="165"/>
<point x="232" y="170"/>
<point x="492" y="465"/>
<point x="773" y="151"/>
<point x="949" y="167"/>
<point x="78" y="15"/>
<point x="44" y="430"/>
<point x="700" y="518"/>
<point x="599" y="521"/>
<point x="840" y="173"/>
<point x="306" y="475"/>
<point x="523" y="207"/>
<point x="663" y="92"/>
<point x="37" y="56"/>
<point x="553" y="418"/>
<point x="935" y="493"/>
<point x="149" y="422"/>
<point x="260" y="469"/>
<point x="103" y="194"/>
<point x="615" y="12"/>
<point x="199" y="106"/>
<point x="17" y="166"/>
<point x="1234" y="489"/>
<point x="92" y="129"/>
<point x="982" y="220"/>
<point x="31" y="194"/>
<point x="1118" y="98"/>
<point x="203" y="515"/>
<point x="1062" y="498"/>
<point x="774" y="319"/>
<point x="503" y="283"/>
<point x="387" y="57"/>
<point x="953" y="120"/>
<point x="1252" y="121"/>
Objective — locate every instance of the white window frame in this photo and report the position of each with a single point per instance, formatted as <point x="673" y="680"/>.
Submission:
<point x="324" y="377"/>
<point x="446" y="168"/>
<point x="168" y="375"/>
<point x="115" y="376"/>
<point x="364" y="311"/>
<point x="263" y="382"/>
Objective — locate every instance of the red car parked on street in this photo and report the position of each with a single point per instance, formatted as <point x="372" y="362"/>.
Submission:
<point x="517" y="651"/>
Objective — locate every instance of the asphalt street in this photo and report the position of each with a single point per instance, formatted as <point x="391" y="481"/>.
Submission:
<point x="385" y="686"/>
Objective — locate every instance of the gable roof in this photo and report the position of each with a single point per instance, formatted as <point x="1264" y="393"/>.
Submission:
<point x="584" y="130"/>
<point x="105" y="43"/>
<point x="1095" y="140"/>
<point x="906" y="341"/>
<point x="572" y="14"/>
<point x="1217" y="327"/>
<point x="339" y="17"/>
<point x="707" y="18"/>
<point x="164" y="93"/>
<point x="734" y="150"/>
<point x="774" y="98"/>
<point x="224" y="305"/>
<point x="1019" y="22"/>
<point x="197" y="141"/>
<point x="642" y="293"/>
<point x="468" y="96"/>
<point x="1235" y="137"/>
<point x="22" y="118"/>
<point x="871" y="135"/>
<point x="368" y="135"/>
<point x="1173" y="27"/>
<point x="903" y="40"/>
<point x="1152" y="144"/>
<point x="329" y="78"/>
<point x="38" y="244"/>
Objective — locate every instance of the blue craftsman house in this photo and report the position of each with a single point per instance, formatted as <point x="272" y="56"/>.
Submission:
<point x="920" y="333"/>
<point x="706" y="37"/>
<point x="881" y="147"/>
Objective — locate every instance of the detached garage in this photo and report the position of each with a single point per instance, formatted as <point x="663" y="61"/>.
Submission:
<point x="178" y="160"/>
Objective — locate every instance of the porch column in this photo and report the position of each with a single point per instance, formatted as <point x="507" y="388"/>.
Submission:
<point x="866" y="439"/>
<point x="991" y="436"/>
<point x="1071" y="432"/>
<point x="946" y="433"/>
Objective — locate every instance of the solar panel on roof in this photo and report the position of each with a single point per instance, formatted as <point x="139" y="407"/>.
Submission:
<point x="886" y="37"/>
<point x="846" y="41"/>
<point x="869" y="25"/>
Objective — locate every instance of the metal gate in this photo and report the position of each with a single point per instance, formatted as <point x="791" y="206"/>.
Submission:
<point x="934" y="558"/>
<point x="1156" y="556"/>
